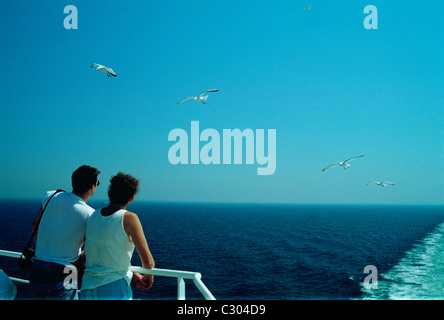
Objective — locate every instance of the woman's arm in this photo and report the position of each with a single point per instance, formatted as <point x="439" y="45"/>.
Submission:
<point x="133" y="228"/>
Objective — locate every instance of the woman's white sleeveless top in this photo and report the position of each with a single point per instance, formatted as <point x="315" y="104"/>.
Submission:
<point x="108" y="250"/>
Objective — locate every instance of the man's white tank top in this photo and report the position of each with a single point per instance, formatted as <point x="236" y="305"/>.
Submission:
<point x="108" y="250"/>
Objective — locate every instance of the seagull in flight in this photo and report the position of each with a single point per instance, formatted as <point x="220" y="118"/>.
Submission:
<point x="108" y="71"/>
<point x="200" y="97"/>
<point x="342" y="164"/>
<point x="381" y="183"/>
<point x="306" y="8"/>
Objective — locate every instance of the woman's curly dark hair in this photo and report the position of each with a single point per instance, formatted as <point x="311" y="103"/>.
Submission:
<point x="122" y="188"/>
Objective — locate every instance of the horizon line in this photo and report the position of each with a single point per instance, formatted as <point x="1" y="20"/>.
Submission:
<point x="190" y="202"/>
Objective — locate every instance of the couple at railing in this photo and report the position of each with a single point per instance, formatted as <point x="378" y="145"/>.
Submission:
<point x="65" y="223"/>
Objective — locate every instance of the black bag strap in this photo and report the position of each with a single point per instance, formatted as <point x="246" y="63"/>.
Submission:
<point x="38" y="223"/>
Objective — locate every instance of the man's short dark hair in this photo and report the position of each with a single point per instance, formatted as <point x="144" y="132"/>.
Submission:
<point x="122" y="188"/>
<point x="83" y="179"/>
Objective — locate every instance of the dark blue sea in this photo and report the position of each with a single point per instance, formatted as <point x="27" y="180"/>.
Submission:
<point x="276" y="252"/>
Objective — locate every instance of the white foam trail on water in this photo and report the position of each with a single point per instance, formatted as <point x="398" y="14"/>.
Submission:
<point x="418" y="276"/>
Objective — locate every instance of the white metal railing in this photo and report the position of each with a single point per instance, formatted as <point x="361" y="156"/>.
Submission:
<point x="180" y="275"/>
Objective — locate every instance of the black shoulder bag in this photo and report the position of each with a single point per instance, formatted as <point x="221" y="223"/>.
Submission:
<point x="28" y="254"/>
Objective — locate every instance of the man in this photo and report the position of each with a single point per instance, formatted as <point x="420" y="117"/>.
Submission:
<point x="60" y="236"/>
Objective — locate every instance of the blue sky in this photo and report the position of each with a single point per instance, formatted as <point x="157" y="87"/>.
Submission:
<point x="331" y="88"/>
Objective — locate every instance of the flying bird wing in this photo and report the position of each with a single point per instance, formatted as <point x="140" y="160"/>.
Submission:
<point x="185" y="99"/>
<point x="388" y="182"/>
<point x="211" y="90"/>
<point x="353" y="158"/>
<point x="332" y="165"/>
<point x="372" y="182"/>
<point x="111" y="72"/>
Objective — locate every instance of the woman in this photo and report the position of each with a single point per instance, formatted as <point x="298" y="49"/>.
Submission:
<point x="111" y="235"/>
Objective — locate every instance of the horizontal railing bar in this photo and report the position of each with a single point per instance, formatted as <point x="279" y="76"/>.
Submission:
<point x="165" y="272"/>
<point x="19" y="280"/>
<point x="11" y="254"/>
<point x="195" y="276"/>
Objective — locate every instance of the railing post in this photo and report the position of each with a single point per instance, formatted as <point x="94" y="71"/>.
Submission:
<point x="180" y="289"/>
<point x="202" y="288"/>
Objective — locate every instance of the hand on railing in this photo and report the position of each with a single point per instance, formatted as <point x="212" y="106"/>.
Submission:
<point x="143" y="282"/>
